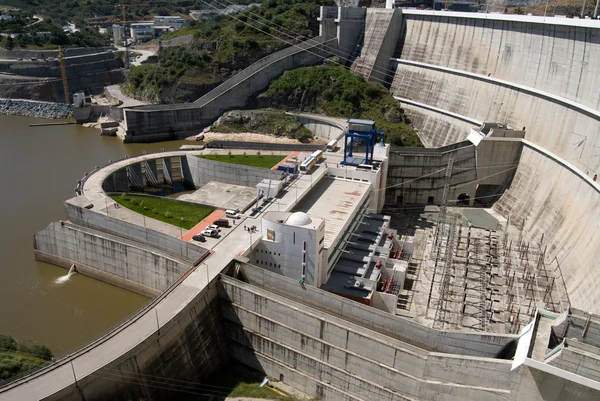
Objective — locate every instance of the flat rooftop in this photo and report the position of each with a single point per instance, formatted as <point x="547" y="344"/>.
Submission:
<point x="334" y="201"/>
<point x="222" y="196"/>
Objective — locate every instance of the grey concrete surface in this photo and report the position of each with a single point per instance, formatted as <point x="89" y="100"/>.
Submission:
<point x="222" y="195"/>
<point x="128" y="263"/>
<point x="203" y="171"/>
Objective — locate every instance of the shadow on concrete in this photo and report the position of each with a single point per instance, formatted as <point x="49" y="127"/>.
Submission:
<point x="407" y="218"/>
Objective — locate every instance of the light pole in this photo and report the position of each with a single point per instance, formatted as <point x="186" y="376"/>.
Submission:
<point x="207" y="278"/>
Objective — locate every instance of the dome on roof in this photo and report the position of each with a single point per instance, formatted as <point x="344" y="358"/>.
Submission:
<point x="299" y="219"/>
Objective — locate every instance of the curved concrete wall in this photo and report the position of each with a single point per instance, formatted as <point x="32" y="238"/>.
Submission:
<point x="563" y="60"/>
<point x="113" y="259"/>
<point x="543" y="74"/>
<point x="560" y="209"/>
<point x="156" y="122"/>
<point x="553" y="123"/>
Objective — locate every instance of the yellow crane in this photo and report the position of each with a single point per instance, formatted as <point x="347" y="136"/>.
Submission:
<point x="63" y="73"/>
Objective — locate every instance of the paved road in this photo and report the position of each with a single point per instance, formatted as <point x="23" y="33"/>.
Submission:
<point x="144" y="55"/>
<point x="115" y="92"/>
<point x="40" y="19"/>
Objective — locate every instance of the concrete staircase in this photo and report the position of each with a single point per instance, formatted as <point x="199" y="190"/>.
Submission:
<point x="163" y="122"/>
<point x="259" y="68"/>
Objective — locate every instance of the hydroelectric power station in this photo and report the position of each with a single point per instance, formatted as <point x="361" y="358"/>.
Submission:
<point x="376" y="281"/>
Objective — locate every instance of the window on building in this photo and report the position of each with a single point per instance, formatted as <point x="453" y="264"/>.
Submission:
<point x="303" y="270"/>
<point x="294" y="238"/>
<point x="430" y="200"/>
<point x="303" y="258"/>
<point x="304" y="246"/>
<point x="322" y="239"/>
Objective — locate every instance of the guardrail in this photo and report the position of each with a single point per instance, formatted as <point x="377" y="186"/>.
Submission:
<point x="69" y="357"/>
<point x="81" y="183"/>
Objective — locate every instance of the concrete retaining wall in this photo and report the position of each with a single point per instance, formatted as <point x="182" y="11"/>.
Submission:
<point x="362" y="363"/>
<point x="165" y="363"/>
<point x="170" y="245"/>
<point x="125" y="263"/>
<point x="202" y="171"/>
<point x="154" y="123"/>
<point x="493" y="162"/>
<point x="470" y="344"/>
<point x="322" y="129"/>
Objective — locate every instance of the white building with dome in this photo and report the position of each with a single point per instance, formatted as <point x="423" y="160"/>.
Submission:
<point x="292" y="245"/>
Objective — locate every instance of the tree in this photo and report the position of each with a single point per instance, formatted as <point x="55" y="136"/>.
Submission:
<point x="7" y="343"/>
<point x="8" y="42"/>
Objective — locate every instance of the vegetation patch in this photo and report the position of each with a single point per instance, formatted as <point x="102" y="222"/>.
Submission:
<point x="335" y="91"/>
<point x="21" y="30"/>
<point x="237" y="383"/>
<point x="257" y="160"/>
<point x="16" y="357"/>
<point x="225" y="45"/>
<point x="268" y="122"/>
<point x="180" y="214"/>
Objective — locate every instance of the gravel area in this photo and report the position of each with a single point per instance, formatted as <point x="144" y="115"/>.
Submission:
<point x="32" y="108"/>
<point x="250" y="137"/>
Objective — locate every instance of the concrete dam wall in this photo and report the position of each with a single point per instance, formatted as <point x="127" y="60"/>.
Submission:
<point x="109" y="258"/>
<point x="455" y="70"/>
<point x="336" y="349"/>
<point x="186" y="349"/>
<point x="544" y="76"/>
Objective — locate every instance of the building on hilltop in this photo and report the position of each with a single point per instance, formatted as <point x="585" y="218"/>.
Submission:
<point x="141" y="31"/>
<point x="173" y="21"/>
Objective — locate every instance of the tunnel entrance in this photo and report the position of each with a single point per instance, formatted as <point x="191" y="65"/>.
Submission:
<point x="463" y="200"/>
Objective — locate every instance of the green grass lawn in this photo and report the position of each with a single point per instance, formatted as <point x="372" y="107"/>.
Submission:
<point x="264" y="161"/>
<point x="179" y="214"/>
<point x="239" y="384"/>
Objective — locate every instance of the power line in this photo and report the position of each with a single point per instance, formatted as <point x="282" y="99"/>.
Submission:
<point x="293" y="35"/>
<point x="287" y="42"/>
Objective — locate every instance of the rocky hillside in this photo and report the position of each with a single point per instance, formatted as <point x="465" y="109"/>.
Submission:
<point x="270" y="122"/>
<point x="333" y="90"/>
<point x="220" y="47"/>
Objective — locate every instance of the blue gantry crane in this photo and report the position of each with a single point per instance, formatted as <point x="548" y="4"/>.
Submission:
<point x="360" y="131"/>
